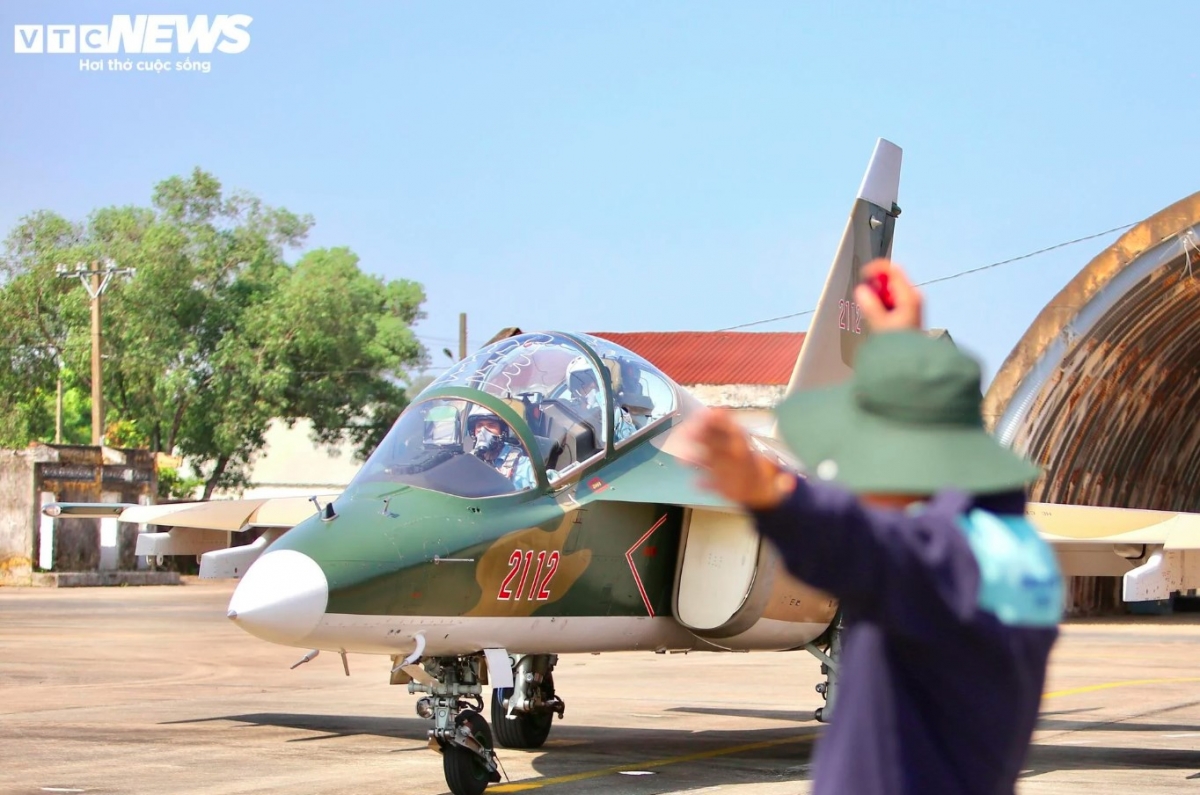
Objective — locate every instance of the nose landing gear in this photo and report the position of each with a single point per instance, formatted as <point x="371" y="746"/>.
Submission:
<point x="460" y="732"/>
<point x="453" y="686"/>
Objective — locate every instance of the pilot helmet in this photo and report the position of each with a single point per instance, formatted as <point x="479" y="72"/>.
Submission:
<point x="486" y="442"/>
<point x="580" y="373"/>
<point x="479" y="413"/>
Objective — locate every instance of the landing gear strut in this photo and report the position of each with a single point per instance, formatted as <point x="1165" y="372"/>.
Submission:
<point x="460" y="732"/>
<point x="828" y="649"/>
<point x="524" y="714"/>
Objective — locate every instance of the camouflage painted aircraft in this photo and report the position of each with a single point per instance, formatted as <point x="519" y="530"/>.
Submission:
<point x="530" y="503"/>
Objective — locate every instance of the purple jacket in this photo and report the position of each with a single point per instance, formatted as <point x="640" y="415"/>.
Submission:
<point x="935" y="694"/>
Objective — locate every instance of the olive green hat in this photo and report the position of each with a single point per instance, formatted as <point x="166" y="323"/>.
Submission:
<point x="907" y="422"/>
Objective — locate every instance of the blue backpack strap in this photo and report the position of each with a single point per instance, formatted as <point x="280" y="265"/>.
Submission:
<point x="1020" y="582"/>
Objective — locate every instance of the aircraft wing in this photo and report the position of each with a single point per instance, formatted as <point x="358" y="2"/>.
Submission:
<point x="231" y="516"/>
<point x="1082" y="524"/>
<point x="1155" y="553"/>
<point x="654" y="472"/>
<point x="202" y="528"/>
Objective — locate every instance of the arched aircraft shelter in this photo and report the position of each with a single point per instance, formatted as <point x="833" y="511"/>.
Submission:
<point x="1103" y="390"/>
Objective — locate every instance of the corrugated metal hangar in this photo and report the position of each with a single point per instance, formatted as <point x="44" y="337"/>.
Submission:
<point x="1103" y="388"/>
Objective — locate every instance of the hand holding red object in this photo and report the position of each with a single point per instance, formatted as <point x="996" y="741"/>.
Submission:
<point x="888" y="300"/>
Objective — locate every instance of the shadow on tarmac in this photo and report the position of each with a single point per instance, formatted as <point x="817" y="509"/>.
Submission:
<point x="678" y="758"/>
<point x="682" y="757"/>
<point x="1049" y="758"/>
<point x="1050" y="721"/>
<point x="330" y="726"/>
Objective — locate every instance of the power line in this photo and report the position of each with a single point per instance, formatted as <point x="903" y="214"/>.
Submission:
<point x="1027" y="256"/>
<point x="768" y="320"/>
<point x="954" y="275"/>
<point x="960" y="274"/>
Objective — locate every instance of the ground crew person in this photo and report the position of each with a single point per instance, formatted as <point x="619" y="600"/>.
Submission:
<point x="914" y="518"/>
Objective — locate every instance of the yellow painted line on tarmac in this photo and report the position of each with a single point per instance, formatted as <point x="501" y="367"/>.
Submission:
<point x="531" y="784"/>
<point x="1110" y="685"/>
<point x="522" y="786"/>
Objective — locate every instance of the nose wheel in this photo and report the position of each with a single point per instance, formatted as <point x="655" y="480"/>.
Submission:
<point x="454" y="701"/>
<point x="468" y="765"/>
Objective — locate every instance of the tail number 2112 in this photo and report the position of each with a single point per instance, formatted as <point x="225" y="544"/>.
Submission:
<point x="519" y="562"/>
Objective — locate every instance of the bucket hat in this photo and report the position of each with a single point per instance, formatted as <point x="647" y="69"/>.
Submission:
<point x="907" y="422"/>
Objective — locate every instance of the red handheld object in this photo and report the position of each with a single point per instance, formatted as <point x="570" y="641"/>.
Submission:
<point x="879" y="284"/>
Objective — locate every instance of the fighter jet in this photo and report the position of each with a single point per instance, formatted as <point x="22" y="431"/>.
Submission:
<point x="533" y="502"/>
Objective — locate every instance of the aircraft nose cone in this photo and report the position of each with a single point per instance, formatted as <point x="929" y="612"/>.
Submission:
<point x="281" y="598"/>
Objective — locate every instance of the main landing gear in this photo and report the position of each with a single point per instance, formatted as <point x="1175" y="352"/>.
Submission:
<point x="828" y="649"/>
<point x="522" y="715"/>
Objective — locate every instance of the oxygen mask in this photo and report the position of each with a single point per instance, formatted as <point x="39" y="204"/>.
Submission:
<point x="486" y="442"/>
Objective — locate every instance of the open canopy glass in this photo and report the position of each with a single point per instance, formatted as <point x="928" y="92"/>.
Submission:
<point x="561" y="401"/>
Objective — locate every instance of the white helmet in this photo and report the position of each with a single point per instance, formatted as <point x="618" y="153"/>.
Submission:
<point x="486" y="442"/>
<point x="579" y="371"/>
<point x="480" y="412"/>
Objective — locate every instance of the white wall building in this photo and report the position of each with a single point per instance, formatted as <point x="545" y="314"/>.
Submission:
<point x="291" y="464"/>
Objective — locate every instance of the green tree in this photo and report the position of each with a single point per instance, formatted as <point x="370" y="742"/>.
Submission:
<point x="37" y="320"/>
<point x="214" y="337"/>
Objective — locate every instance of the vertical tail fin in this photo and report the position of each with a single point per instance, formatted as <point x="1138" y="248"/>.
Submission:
<point x="836" y="330"/>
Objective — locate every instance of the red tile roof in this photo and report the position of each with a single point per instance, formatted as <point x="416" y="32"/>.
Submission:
<point x="716" y="357"/>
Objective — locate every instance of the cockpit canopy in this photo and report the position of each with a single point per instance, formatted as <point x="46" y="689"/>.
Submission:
<point x="559" y="400"/>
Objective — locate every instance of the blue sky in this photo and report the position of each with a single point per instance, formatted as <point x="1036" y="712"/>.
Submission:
<point x="642" y="166"/>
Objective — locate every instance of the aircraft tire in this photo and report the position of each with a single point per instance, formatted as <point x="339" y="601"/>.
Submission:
<point x="525" y="731"/>
<point x="465" y="774"/>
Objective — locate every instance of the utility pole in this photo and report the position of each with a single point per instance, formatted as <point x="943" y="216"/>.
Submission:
<point x="95" y="276"/>
<point x="462" y="336"/>
<point x="58" y="403"/>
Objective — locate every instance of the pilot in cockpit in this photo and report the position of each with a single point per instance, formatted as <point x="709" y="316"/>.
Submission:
<point x="495" y="445"/>
<point x="585" y="393"/>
